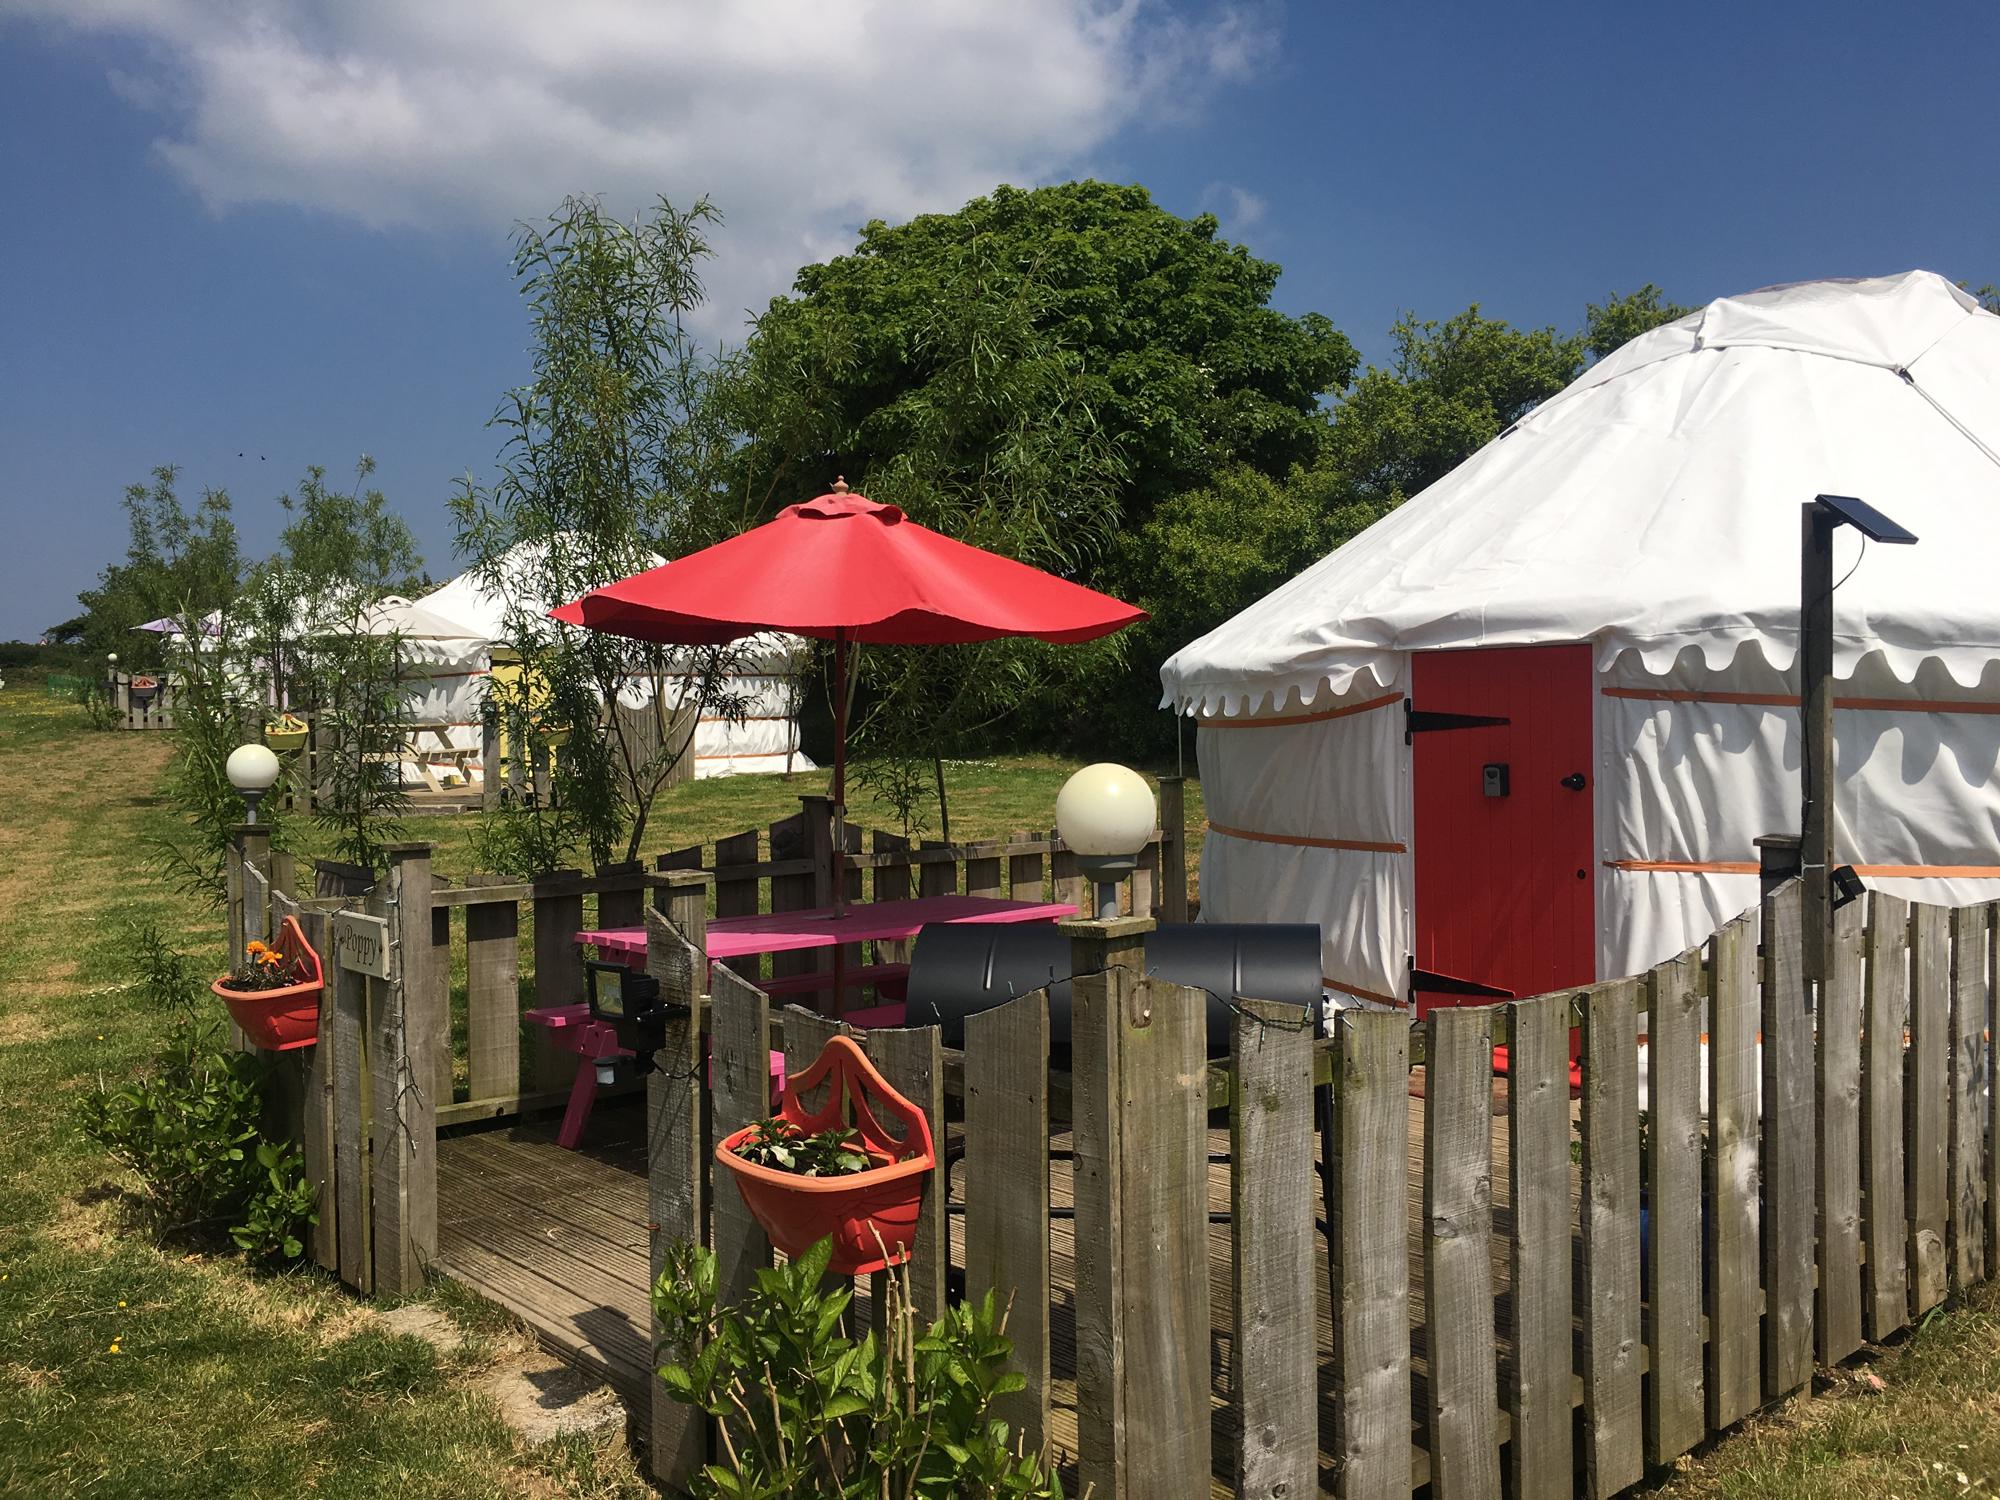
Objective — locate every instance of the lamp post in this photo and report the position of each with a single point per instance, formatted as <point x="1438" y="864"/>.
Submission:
<point x="1822" y="515"/>
<point x="253" y="770"/>
<point x="1105" y="814"/>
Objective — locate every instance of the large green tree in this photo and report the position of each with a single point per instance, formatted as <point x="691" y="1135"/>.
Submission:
<point x="1162" y="331"/>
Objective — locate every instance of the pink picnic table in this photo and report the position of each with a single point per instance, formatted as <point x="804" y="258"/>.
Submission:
<point x="572" y="1030"/>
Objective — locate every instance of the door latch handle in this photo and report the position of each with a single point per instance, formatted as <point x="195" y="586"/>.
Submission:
<point x="1574" y="781"/>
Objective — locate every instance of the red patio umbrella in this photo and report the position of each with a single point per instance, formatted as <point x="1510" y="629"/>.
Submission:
<point x="844" y="568"/>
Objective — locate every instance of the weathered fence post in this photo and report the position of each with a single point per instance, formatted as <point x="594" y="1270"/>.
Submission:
<point x="558" y="918"/>
<point x="1967" y="1133"/>
<point x="1273" y="1348"/>
<point x="1139" y="1110"/>
<point x="316" y="1125"/>
<point x="1537" y="1378"/>
<point x="1614" y="1424"/>
<point x="1007" y="1192"/>
<point x="404" y="1038"/>
<point x="1462" y="1424"/>
<point x="675" y="1171"/>
<point x="1368" y="1261"/>
<point x="1788" y="1154"/>
<point x="1837" y="1306"/>
<point x="1173" y="849"/>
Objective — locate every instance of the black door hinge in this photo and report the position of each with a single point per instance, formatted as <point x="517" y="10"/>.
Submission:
<point x="1426" y="721"/>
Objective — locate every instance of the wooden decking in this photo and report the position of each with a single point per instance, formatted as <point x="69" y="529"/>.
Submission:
<point x="559" y="1238"/>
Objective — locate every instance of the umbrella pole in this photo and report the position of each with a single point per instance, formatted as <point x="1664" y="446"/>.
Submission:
<point x="839" y="808"/>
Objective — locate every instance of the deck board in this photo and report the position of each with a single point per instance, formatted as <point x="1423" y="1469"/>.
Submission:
<point x="559" y="1239"/>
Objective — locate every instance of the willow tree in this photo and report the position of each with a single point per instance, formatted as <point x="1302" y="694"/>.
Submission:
<point x="608" y="466"/>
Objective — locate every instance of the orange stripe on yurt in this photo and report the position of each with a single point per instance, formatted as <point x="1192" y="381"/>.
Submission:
<point x="1360" y="994"/>
<point x="1318" y="718"/>
<point x="1364" y="846"/>
<point x="1751" y="867"/>
<point x="1782" y="700"/>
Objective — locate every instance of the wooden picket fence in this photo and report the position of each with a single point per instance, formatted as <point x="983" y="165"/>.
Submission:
<point x="141" y="707"/>
<point x="1682" y="1270"/>
<point x="451" y="1054"/>
<point x="1352" y="1263"/>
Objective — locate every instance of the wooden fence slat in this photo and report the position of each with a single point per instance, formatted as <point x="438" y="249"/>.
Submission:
<point x="737" y="895"/>
<point x="1462" y="1426"/>
<point x="1066" y="882"/>
<point x="558" y="918"/>
<point x="891" y="883"/>
<point x="912" y="1060"/>
<point x="403" y="1043"/>
<point x="1886" y="1297"/>
<point x="621" y="908"/>
<point x="1674" y="1412"/>
<point x="317" y="1124"/>
<point x="1162" y="1131"/>
<point x="493" y="998"/>
<point x="937" y="877"/>
<point x="982" y="873"/>
<point x="798" y="893"/>
<point x="1837" y="1311"/>
<point x="740" y="1064"/>
<point x="1787" y="1146"/>
<point x="1612" y="1417"/>
<point x="1967" y="1221"/>
<point x="1024" y="871"/>
<point x="351" y="1107"/>
<point x="437" y="1000"/>
<point x="1536" y="1375"/>
<point x="1368" y="1263"/>
<point x="1730" y="1174"/>
<point x="1096" y="1037"/>
<point x="1007" y="1193"/>
<point x="676" y="1175"/>
<point x="1273" y="1344"/>
<point x="1926" y="1097"/>
<point x="1993" y="1111"/>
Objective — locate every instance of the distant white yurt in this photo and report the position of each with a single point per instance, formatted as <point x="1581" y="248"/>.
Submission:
<point x="1521" y="733"/>
<point x="766" y="679"/>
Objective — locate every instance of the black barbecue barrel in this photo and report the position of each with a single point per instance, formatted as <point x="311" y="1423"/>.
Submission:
<point x="961" y="968"/>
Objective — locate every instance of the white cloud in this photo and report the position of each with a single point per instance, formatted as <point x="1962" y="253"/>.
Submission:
<point x="801" y="118"/>
<point x="1238" y="210"/>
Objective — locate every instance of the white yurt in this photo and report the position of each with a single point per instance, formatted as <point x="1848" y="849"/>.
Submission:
<point x="766" y="678"/>
<point x="1522" y="732"/>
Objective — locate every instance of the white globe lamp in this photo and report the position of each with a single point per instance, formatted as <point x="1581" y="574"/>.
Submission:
<point x="1105" y="814"/>
<point x="253" y="770"/>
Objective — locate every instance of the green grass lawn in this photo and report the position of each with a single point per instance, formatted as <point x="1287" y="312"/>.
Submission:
<point x="227" y="1381"/>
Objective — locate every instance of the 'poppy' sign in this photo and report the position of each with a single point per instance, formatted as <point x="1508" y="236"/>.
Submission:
<point x="361" y="943"/>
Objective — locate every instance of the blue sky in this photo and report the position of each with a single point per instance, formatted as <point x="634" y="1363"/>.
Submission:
<point x="249" y="238"/>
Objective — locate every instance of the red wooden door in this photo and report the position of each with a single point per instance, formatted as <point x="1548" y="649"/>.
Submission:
<point x="1504" y="840"/>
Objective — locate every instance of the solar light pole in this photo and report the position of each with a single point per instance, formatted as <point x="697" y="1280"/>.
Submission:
<point x="1822" y="516"/>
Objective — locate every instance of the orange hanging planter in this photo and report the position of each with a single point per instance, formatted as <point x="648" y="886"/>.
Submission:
<point x="286" y="1017"/>
<point x="871" y="1215"/>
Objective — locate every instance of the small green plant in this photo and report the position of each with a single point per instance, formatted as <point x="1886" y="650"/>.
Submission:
<point x="779" y="1144"/>
<point x="190" y="1128"/>
<point x="802" y="1409"/>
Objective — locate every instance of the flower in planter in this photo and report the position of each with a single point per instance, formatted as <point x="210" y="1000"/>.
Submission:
<point x="263" y="968"/>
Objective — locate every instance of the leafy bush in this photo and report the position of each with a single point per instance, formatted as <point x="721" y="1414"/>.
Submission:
<point x="804" y="1410"/>
<point x="191" y="1127"/>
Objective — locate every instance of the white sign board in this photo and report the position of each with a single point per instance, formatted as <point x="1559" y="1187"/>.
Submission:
<point x="361" y="943"/>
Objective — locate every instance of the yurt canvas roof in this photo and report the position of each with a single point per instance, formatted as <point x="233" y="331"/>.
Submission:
<point x="1653" y="506"/>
